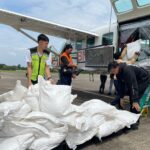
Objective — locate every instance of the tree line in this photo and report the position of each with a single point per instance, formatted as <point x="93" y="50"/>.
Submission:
<point x="17" y="67"/>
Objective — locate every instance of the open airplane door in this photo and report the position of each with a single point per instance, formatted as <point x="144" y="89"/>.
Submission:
<point x="133" y="17"/>
<point x="127" y="10"/>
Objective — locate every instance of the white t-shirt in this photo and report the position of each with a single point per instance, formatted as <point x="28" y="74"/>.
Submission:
<point x="29" y="59"/>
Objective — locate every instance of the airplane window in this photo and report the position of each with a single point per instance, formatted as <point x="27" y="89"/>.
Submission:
<point x="90" y="42"/>
<point x="143" y="2"/>
<point x="107" y="39"/>
<point x="79" y="44"/>
<point x="123" y="5"/>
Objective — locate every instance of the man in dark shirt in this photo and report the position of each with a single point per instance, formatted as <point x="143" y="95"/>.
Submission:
<point x="134" y="81"/>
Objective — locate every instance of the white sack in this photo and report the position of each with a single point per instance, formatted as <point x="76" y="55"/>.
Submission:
<point x="15" y="128"/>
<point x="9" y="108"/>
<point x="77" y="118"/>
<point x="14" y="110"/>
<point x="85" y="123"/>
<point x="76" y="124"/>
<point x="47" y="120"/>
<point x="19" y="114"/>
<point x="126" y="117"/>
<point x="32" y="97"/>
<point x="40" y="124"/>
<point x="95" y="106"/>
<point x="76" y="137"/>
<point x="58" y="131"/>
<point x="54" y="99"/>
<point x="21" y="142"/>
<point x="73" y="109"/>
<point x="70" y="119"/>
<point x="132" y="48"/>
<point x="42" y="144"/>
<point x="48" y="143"/>
<point x="109" y="127"/>
<point x="16" y="94"/>
<point x="6" y="96"/>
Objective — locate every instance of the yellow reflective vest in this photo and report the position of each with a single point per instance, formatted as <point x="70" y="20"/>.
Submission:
<point x="38" y="63"/>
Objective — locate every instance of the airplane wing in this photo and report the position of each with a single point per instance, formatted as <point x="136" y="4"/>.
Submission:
<point x="19" y="21"/>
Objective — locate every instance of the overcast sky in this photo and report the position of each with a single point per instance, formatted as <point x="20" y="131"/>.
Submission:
<point x="81" y="14"/>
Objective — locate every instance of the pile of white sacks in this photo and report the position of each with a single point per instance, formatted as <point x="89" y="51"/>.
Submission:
<point x="41" y="117"/>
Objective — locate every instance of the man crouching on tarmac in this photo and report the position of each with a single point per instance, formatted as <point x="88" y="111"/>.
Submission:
<point x="133" y="82"/>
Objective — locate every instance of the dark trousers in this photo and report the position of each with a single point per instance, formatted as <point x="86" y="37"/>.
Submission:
<point x="121" y="91"/>
<point x="34" y="82"/>
<point x="65" y="79"/>
<point x="103" y="79"/>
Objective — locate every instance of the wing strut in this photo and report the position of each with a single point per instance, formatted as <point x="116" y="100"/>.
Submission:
<point x="33" y="39"/>
<point x="26" y="34"/>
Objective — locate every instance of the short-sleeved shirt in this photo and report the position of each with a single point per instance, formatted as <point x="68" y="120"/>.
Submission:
<point x="29" y="59"/>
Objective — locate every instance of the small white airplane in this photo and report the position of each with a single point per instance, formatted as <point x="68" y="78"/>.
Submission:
<point x="93" y="50"/>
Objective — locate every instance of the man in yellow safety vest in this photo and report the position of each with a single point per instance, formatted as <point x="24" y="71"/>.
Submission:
<point x="38" y="61"/>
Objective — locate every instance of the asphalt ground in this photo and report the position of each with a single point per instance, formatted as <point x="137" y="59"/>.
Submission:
<point x="87" y="90"/>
